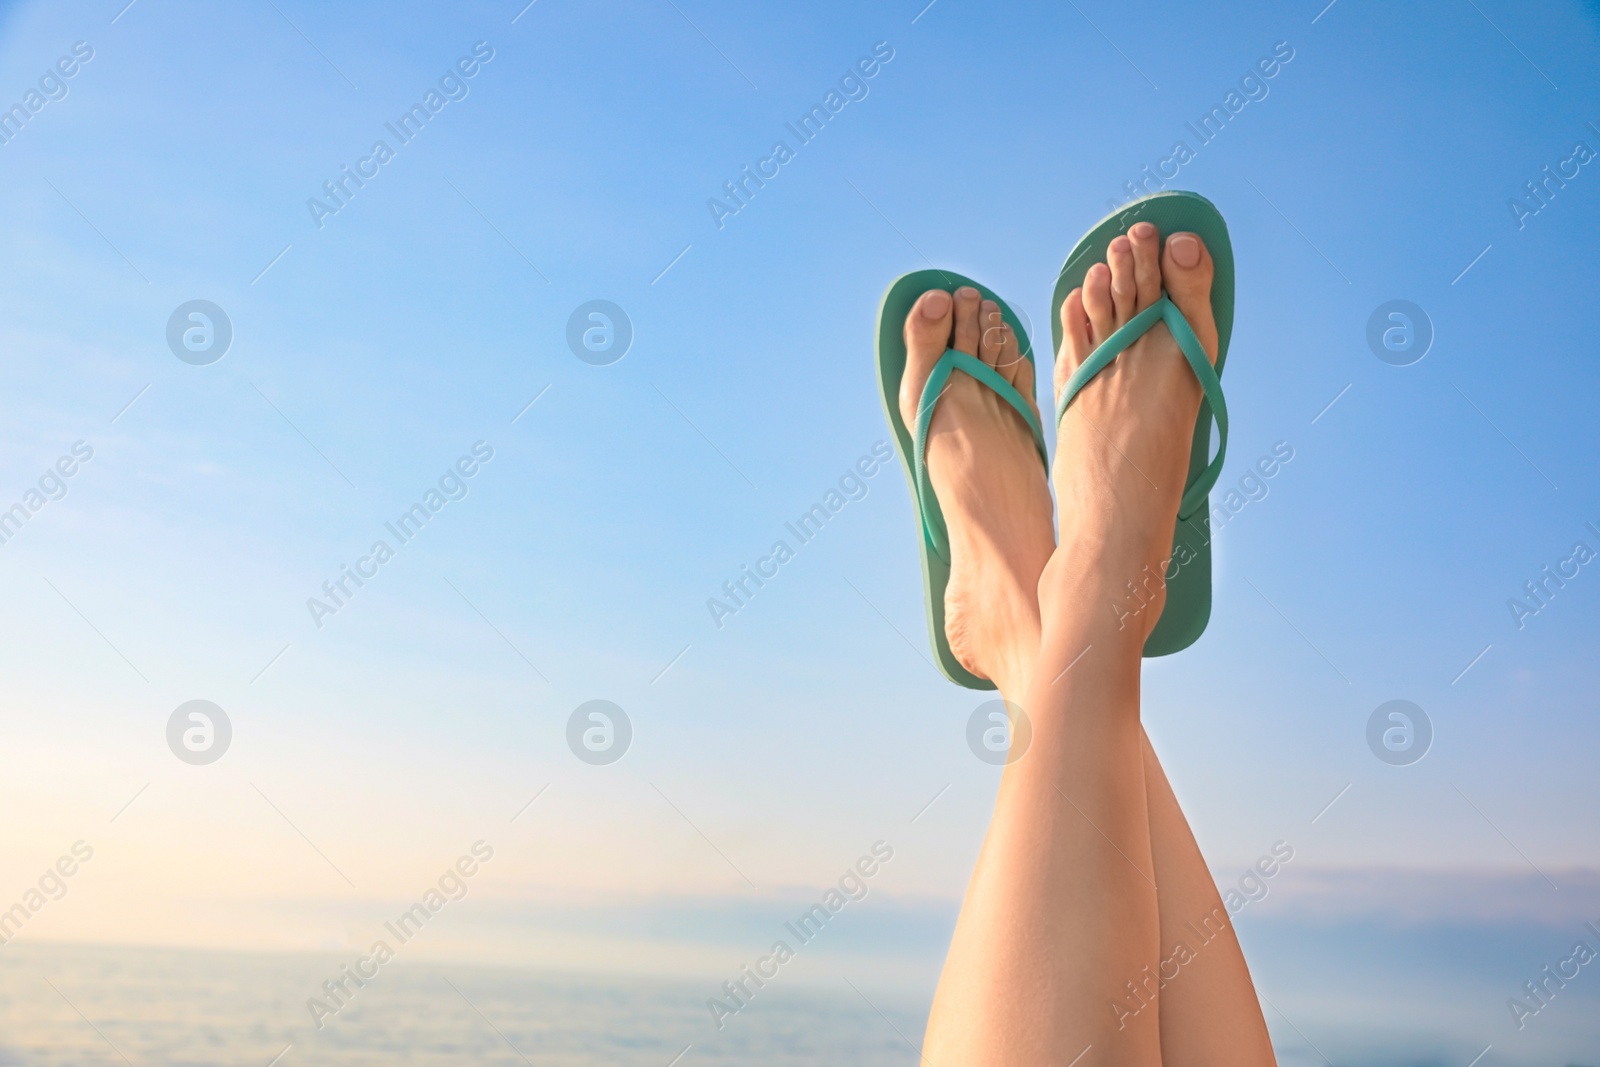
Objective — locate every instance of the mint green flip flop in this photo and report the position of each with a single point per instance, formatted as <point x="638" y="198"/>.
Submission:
<point x="910" y="442"/>
<point x="1188" y="572"/>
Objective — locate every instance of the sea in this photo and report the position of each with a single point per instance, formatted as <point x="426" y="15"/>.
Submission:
<point x="91" y="1006"/>
<point x="1335" y="994"/>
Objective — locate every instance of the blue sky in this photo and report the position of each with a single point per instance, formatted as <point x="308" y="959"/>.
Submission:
<point x="424" y="315"/>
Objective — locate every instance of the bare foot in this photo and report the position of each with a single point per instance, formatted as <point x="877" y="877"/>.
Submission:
<point x="991" y="485"/>
<point x="1123" y="447"/>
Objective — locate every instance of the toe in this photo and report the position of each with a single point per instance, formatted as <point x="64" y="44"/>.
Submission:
<point x="1019" y="372"/>
<point x="1097" y="302"/>
<point x="1146" y="241"/>
<point x="1124" y="289"/>
<point x="1075" y="346"/>
<point x="1008" y="358"/>
<point x="968" y="306"/>
<point x="992" y="338"/>
<point x="1186" y="271"/>
<point x="1075" y="322"/>
<point x="927" y="335"/>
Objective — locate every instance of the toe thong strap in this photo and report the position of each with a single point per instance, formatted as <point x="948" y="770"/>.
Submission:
<point x="1163" y="310"/>
<point x="933" y="527"/>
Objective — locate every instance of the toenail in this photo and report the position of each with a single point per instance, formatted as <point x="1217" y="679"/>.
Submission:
<point x="1185" y="249"/>
<point x="966" y="291"/>
<point x="936" y="304"/>
<point x="1144" y="229"/>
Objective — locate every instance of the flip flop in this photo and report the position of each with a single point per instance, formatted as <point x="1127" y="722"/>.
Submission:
<point x="909" y="442"/>
<point x="1188" y="572"/>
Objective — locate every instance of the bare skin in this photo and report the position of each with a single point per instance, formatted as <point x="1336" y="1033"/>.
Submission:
<point x="990" y="483"/>
<point x="1089" y="877"/>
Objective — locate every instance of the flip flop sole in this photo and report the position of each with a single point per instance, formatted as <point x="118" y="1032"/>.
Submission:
<point x="1188" y="576"/>
<point x="892" y="311"/>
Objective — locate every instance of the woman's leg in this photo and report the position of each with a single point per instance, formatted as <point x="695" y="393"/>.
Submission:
<point x="1209" y="1011"/>
<point x="1052" y="903"/>
<point x="1058" y="952"/>
<point x="1061" y="912"/>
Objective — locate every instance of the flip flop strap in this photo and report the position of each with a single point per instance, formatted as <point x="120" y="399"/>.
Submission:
<point x="933" y="528"/>
<point x="1163" y="310"/>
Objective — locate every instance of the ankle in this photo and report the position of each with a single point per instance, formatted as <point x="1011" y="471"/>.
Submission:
<point x="1014" y="636"/>
<point x="1014" y="660"/>
<point x="1101" y="593"/>
<point x="999" y="637"/>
